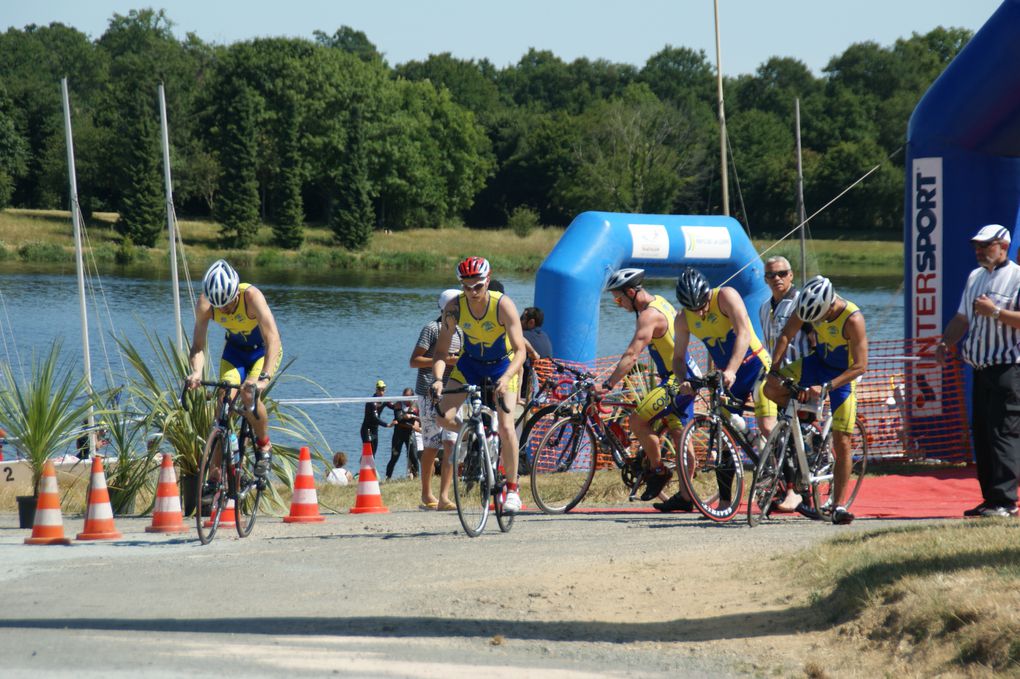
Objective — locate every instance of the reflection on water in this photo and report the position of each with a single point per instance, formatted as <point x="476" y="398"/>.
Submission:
<point x="344" y="329"/>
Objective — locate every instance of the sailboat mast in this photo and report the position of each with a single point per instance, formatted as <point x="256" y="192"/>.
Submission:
<point x="76" y="221"/>
<point x="170" y="227"/>
<point x="723" y="172"/>
<point x="800" y="199"/>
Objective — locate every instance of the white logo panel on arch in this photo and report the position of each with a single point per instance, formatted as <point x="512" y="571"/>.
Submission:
<point x="649" y="241"/>
<point x="707" y="242"/>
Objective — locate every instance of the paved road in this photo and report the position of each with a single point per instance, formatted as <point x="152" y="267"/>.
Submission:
<point x="401" y="594"/>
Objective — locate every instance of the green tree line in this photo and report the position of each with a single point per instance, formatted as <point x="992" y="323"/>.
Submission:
<point x="288" y="131"/>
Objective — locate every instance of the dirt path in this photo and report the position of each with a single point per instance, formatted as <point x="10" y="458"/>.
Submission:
<point x="407" y="594"/>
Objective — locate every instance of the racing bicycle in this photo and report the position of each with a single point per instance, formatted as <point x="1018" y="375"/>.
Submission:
<point x="479" y="483"/>
<point x="227" y="475"/>
<point x="801" y="452"/>
<point x="586" y="428"/>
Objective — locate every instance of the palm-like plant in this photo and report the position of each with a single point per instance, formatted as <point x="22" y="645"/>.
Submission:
<point x="184" y="428"/>
<point x="136" y="460"/>
<point x="44" y="411"/>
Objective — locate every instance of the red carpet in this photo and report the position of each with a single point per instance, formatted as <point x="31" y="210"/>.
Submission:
<point x="939" y="493"/>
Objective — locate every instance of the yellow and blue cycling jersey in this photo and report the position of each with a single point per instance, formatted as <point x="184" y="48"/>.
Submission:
<point x="829" y="360"/>
<point x="244" y="351"/>
<point x="717" y="333"/>
<point x="242" y="332"/>
<point x="661" y="348"/>
<point x="486" y="349"/>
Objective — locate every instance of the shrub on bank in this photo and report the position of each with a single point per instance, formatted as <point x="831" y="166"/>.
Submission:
<point x="42" y="252"/>
<point x="523" y="220"/>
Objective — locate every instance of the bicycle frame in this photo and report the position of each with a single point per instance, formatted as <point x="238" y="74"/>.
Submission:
<point x="805" y="479"/>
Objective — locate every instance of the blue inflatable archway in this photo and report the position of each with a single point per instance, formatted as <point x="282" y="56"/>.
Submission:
<point x="962" y="172"/>
<point x="570" y="281"/>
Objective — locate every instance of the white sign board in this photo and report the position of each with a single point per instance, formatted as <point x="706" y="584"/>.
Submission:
<point x="707" y="242"/>
<point x="649" y="241"/>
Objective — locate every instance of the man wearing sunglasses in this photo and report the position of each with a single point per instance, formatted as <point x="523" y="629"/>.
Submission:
<point x="773" y="314"/>
<point x="493" y="348"/>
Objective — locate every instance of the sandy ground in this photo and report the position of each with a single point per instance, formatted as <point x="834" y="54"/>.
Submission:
<point x="407" y="594"/>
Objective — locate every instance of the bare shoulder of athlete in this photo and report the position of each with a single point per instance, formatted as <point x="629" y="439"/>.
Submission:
<point x="730" y="301"/>
<point x="506" y="308"/>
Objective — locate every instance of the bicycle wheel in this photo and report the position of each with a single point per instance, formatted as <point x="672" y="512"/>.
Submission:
<point x="249" y="487"/>
<point x="471" y="489"/>
<point x="824" y="464"/>
<point x="767" y="474"/>
<point x="212" y="495"/>
<point x="564" y="466"/>
<point x="505" y="521"/>
<point x="535" y="427"/>
<point x="710" y="468"/>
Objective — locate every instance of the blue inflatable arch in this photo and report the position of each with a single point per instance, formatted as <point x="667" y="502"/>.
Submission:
<point x="570" y="281"/>
<point x="962" y="172"/>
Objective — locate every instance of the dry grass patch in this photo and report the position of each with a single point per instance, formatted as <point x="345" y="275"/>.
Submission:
<point x="937" y="599"/>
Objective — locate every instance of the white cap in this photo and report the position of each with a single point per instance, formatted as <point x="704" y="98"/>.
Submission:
<point x="447" y="296"/>
<point x="990" y="233"/>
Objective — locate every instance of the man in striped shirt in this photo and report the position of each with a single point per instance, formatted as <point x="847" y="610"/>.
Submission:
<point x="990" y="318"/>
<point x="773" y="314"/>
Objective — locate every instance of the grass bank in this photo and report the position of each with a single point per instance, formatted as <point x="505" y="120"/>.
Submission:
<point x="43" y="237"/>
<point x="938" y="600"/>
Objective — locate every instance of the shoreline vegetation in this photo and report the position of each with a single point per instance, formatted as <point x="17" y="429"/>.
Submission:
<point x="44" y="238"/>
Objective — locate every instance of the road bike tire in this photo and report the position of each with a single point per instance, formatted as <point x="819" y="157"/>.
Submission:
<point x="249" y="487"/>
<point x="825" y="463"/>
<point x="767" y="474"/>
<point x="564" y="466"/>
<point x="535" y="426"/>
<point x="215" y="445"/>
<point x="505" y="520"/>
<point x="711" y="469"/>
<point x="471" y="489"/>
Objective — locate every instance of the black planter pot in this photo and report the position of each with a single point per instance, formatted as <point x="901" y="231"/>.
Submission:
<point x="189" y="493"/>
<point x="26" y="510"/>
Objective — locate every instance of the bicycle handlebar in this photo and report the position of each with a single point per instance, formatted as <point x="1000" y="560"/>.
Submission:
<point x="226" y="385"/>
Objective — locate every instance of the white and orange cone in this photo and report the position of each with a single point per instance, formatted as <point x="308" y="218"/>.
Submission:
<point x="167" y="516"/>
<point x="369" y="500"/>
<point x="98" y="512"/>
<point x="304" y="505"/>
<point x="229" y="518"/>
<point x="48" y="527"/>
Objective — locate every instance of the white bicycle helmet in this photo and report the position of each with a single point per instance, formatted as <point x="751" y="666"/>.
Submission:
<point x="815" y="299"/>
<point x="220" y="284"/>
<point x="447" y="296"/>
<point x="625" y="278"/>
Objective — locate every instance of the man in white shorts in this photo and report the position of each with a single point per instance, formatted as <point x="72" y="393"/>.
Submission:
<point x="434" y="436"/>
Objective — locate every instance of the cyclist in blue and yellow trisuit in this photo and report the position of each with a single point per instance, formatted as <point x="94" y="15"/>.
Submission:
<point x="839" y="358"/>
<point x="252" y="352"/>
<point x="719" y="319"/>
<point x="493" y="347"/>
<point x="654" y="329"/>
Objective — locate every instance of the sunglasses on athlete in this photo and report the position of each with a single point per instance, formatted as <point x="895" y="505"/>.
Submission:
<point x="776" y="274"/>
<point x="474" y="288"/>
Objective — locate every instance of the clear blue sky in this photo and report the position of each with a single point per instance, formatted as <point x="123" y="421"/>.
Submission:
<point x="627" y="32"/>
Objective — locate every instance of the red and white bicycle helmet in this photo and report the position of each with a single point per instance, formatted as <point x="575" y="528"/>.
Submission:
<point x="473" y="267"/>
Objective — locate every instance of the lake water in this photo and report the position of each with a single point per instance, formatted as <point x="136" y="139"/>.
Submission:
<point x="345" y="330"/>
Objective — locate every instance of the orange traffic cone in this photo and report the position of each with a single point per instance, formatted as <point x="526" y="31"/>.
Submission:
<point x="304" y="505"/>
<point x="369" y="500"/>
<point x="229" y="519"/>
<point x="48" y="527"/>
<point x="98" y="512"/>
<point x="167" y="516"/>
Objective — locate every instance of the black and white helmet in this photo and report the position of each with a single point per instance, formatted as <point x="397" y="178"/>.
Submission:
<point x="625" y="278"/>
<point x="220" y="284"/>
<point x="692" y="289"/>
<point x="815" y="299"/>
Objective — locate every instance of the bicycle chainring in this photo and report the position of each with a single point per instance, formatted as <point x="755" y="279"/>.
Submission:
<point x="631" y="473"/>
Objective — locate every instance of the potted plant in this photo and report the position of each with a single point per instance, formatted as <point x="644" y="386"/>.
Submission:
<point x="42" y="412"/>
